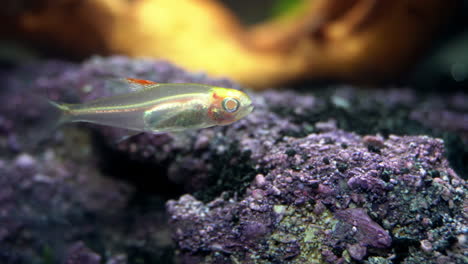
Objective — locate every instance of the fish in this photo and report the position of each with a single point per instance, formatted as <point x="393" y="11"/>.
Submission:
<point x="161" y="107"/>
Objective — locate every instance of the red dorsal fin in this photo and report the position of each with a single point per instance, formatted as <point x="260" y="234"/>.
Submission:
<point x="140" y="82"/>
<point x="216" y="96"/>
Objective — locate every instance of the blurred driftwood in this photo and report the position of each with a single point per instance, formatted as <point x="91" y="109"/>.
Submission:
<point x="352" y="40"/>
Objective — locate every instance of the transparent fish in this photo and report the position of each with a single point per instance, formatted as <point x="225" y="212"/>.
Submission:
<point x="162" y="107"/>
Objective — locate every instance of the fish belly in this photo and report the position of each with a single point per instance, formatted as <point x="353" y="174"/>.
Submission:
<point x="193" y="116"/>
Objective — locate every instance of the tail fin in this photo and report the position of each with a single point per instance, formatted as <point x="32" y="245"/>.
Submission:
<point x="64" y="115"/>
<point x="43" y="127"/>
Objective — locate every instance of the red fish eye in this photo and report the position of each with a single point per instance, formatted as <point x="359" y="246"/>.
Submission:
<point x="230" y="104"/>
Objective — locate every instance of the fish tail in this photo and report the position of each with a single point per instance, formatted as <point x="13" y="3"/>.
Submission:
<point x="64" y="115"/>
<point x="42" y="128"/>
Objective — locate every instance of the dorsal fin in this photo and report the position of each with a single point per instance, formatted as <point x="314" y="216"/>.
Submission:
<point x="138" y="84"/>
<point x="118" y="86"/>
<point x="140" y="81"/>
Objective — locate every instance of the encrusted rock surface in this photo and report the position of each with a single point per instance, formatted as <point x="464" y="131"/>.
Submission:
<point x="344" y="175"/>
<point x="330" y="197"/>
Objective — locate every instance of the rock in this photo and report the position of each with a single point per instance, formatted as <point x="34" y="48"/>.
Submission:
<point x="290" y="183"/>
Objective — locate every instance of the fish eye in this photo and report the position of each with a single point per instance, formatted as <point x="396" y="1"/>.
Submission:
<point x="230" y="104"/>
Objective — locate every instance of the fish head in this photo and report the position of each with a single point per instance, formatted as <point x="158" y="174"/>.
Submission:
<point x="229" y="105"/>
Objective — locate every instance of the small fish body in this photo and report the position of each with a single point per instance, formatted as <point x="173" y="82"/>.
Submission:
<point x="162" y="107"/>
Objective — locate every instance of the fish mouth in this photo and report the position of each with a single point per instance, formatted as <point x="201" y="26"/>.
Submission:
<point x="246" y="111"/>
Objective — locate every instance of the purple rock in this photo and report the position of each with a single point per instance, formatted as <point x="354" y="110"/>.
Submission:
<point x="373" y="181"/>
<point x="80" y="254"/>
<point x="357" y="251"/>
<point x="368" y="232"/>
<point x="286" y="184"/>
<point x="369" y="182"/>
